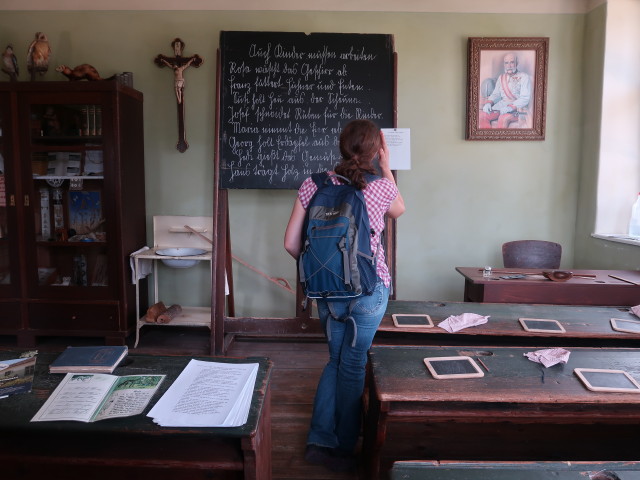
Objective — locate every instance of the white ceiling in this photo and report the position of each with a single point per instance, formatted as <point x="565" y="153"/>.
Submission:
<point x="456" y="6"/>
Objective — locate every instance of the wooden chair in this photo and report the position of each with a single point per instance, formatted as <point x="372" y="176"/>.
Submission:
<point x="531" y="254"/>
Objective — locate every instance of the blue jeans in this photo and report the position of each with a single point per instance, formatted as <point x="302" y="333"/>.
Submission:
<point x="337" y="408"/>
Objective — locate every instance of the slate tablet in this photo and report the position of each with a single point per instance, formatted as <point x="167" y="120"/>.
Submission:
<point x="602" y="380"/>
<point x="541" y="325"/>
<point x="453" y="367"/>
<point x="623" y="325"/>
<point x="412" y="320"/>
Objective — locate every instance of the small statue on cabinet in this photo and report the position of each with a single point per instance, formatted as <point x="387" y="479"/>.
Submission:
<point x="10" y="63"/>
<point x="81" y="72"/>
<point x="38" y="55"/>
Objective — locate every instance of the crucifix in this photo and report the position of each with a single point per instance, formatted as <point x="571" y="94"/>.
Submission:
<point x="179" y="64"/>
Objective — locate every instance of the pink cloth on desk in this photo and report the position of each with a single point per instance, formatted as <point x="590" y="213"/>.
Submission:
<point x="455" y="323"/>
<point x="549" y="357"/>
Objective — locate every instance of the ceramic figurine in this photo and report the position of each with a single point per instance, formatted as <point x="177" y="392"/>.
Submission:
<point x="38" y="55"/>
<point x="81" y="72"/>
<point x="10" y="63"/>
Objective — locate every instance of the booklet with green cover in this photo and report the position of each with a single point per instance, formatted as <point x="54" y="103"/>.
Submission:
<point x="89" y="397"/>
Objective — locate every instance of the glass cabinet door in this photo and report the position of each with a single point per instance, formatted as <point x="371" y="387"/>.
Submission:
<point x="9" y="259"/>
<point x="66" y="166"/>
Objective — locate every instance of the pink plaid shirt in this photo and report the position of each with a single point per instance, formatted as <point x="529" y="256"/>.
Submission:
<point x="378" y="196"/>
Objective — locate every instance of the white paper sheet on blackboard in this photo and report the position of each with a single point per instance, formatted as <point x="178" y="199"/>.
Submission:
<point x="399" y="143"/>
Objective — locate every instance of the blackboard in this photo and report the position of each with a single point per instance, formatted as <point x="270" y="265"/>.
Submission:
<point x="285" y="97"/>
<point x="431" y="470"/>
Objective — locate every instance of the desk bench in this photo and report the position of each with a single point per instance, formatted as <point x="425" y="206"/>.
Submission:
<point x="585" y="325"/>
<point x="517" y="411"/>
<point x="132" y="447"/>
<point x="433" y="470"/>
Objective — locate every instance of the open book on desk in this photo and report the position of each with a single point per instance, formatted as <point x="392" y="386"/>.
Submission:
<point x="88" y="397"/>
<point x="208" y="394"/>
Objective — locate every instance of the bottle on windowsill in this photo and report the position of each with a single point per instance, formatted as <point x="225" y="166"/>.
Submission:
<point x="634" y="222"/>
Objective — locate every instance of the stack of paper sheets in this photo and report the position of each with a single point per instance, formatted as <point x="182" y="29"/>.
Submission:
<point x="208" y="394"/>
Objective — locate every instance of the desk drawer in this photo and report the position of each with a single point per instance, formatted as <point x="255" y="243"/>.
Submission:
<point x="70" y="316"/>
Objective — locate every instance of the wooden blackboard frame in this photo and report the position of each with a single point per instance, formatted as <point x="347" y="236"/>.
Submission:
<point x="225" y="326"/>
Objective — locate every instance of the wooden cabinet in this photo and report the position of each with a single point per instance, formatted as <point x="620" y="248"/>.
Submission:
<point x="72" y="208"/>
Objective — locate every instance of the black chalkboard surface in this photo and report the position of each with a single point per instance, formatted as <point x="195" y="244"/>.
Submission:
<point x="285" y="97"/>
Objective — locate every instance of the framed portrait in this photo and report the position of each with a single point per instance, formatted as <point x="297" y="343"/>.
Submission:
<point x="506" y="88"/>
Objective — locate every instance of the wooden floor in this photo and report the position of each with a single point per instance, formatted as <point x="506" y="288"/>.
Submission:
<point x="297" y="368"/>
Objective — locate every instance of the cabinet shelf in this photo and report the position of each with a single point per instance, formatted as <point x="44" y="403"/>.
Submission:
<point x="65" y="140"/>
<point x="65" y="177"/>
<point x="190" y="317"/>
<point x="66" y="146"/>
<point x="56" y="244"/>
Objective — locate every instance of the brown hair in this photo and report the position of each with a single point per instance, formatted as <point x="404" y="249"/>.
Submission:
<point x="359" y="144"/>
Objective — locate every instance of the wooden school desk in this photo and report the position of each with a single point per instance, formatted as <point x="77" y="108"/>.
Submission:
<point x="601" y="290"/>
<point x="586" y="326"/>
<point x="426" y="470"/>
<point x="132" y="447"/>
<point x="518" y="410"/>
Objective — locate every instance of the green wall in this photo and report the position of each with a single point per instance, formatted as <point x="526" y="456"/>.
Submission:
<point x="464" y="199"/>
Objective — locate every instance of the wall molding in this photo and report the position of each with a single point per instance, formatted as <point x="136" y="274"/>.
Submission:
<point x="434" y="6"/>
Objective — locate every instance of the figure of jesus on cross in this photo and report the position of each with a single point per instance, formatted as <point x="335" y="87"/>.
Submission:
<point x="179" y="64"/>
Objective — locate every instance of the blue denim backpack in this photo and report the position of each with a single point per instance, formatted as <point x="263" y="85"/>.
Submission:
<point x="336" y="261"/>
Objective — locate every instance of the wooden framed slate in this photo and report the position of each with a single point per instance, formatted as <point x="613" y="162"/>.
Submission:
<point x="603" y="380"/>
<point x="453" y="367"/>
<point x="414" y="320"/>
<point x="623" y="325"/>
<point x="541" y="325"/>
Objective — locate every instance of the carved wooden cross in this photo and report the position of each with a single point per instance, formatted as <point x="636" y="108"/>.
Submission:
<point x="179" y="64"/>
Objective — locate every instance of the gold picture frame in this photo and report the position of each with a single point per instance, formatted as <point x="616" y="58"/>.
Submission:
<point x="507" y="88"/>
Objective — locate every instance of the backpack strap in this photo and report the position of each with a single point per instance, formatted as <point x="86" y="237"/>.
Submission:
<point x="319" y="179"/>
<point x="322" y="179"/>
<point x="370" y="177"/>
<point x="347" y="317"/>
